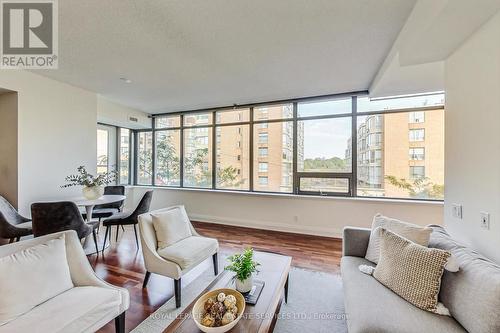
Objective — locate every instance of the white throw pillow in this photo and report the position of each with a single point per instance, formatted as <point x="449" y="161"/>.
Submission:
<point x="170" y="226"/>
<point x="31" y="277"/>
<point x="413" y="232"/>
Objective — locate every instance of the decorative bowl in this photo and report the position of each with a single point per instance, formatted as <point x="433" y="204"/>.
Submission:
<point x="198" y="310"/>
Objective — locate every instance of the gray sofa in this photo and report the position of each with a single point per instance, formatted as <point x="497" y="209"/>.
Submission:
<point x="472" y="295"/>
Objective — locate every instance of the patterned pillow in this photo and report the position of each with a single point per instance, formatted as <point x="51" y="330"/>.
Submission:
<point x="410" y="270"/>
<point x="415" y="233"/>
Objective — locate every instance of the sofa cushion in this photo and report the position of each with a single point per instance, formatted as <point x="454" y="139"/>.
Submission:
<point x="415" y="233"/>
<point x="170" y="226"/>
<point x="473" y="293"/>
<point x="80" y="309"/>
<point x="32" y="276"/>
<point x="410" y="270"/>
<point x="373" y="308"/>
<point x="190" y="251"/>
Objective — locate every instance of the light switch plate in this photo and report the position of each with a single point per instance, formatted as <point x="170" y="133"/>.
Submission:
<point x="485" y="220"/>
<point x="457" y="211"/>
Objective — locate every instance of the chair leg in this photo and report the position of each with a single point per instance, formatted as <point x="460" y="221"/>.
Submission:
<point x="11" y="240"/>
<point x="216" y="264"/>
<point x="146" y="279"/>
<point x="136" y="239"/>
<point x="117" y="229"/>
<point x="18" y="239"/>
<point x="95" y="242"/>
<point x="123" y="228"/>
<point x="286" y="289"/>
<point x="120" y="323"/>
<point x="177" y="289"/>
<point x="106" y="237"/>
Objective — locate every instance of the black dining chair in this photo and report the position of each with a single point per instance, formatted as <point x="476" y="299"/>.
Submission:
<point x="12" y="225"/>
<point x="51" y="217"/>
<point x="124" y="218"/>
<point x="107" y="210"/>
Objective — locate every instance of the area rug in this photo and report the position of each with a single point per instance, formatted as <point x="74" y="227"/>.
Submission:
<point x="315" y="304"/>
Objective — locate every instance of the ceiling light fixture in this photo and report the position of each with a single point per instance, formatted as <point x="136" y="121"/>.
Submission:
<point x="124" y="79"/>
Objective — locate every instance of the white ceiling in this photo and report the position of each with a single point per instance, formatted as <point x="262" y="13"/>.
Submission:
<point x="192" y="54"/>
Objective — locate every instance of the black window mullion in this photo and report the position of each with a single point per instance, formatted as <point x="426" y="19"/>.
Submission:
<point x="354" y="146"/>
<point x="214" y="151"/>
<point x="181" y="153"/>
<point x="251" y="152"/>
<point x="153" y="153"/>
<point x="295" y="179"/>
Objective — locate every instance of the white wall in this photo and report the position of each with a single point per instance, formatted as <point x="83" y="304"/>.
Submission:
<point x="310" y="215"/>
<point x="8" y="146"/>
<point x="112" y="113"/>
<point x="472" y="79"/>
<point x="57" y="133"/>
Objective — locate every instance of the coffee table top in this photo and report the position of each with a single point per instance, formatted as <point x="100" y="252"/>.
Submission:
<point x="274" y="269"/>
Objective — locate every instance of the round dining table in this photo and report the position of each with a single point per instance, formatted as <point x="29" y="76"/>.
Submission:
<point x="89" y="205"/>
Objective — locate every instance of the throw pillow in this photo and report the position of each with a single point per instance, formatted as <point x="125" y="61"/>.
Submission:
<point x="415" y="233"/>
<point x="412" y="271"/>
<point x="32" y="276"/>
<point x="170" y="226"/>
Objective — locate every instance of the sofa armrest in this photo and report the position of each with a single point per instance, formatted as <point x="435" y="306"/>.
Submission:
<point x="355" y="241"/>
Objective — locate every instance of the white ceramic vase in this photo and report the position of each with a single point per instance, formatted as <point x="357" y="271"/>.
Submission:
<point x="244" y="286"/>
<point x="92" y="192"/>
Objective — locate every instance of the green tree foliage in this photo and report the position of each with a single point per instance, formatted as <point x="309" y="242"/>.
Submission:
<point x="419" y="187"/>
<point x="333" y="163"/>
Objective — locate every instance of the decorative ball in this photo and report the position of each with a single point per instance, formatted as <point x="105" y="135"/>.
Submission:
<point x="230" y="301"/>
<point x="221" y="297"/>
<point x="208" y="321"/>
<point x="227" y="318"/>
<point x="217" y="310"/>
<point x="234" y="310"/>
<point x="208" y="304"/>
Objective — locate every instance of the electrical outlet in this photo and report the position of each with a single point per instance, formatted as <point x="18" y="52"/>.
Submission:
<point x="456" y="210"/>
<point x="485" y="220"/>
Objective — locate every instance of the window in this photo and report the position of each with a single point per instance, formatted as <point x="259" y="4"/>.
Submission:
<point x="343" y="145"/>
<point x="263" y="151"/>
<point x="279" y="162"/>
<point x="145" y="158"/>
<point x="168" y="146"/>
<point x="278" y="111"/>
<point x="124" y="158"/>
<point x="233" y="161"/>
<point x="263" y="137"/>
<point x="197" y="157"/>
<point x="416" y="117"/>
<point x="325" y="107"/>
<point x="263" y="166"/>
<point x="394" y="168"/>
<point x="323" y="186"/>
<point x="417" y="154"/>
<point x="417" y="134"/>
<point x="168" y="122"/>
<point x="417" y="172"/>
<point x="233" y="116"/>
<point x="323" y="145"/>
<point x="102" y="151"/>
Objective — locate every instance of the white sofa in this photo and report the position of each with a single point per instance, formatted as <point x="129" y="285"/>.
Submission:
<point x="86" y="307"/>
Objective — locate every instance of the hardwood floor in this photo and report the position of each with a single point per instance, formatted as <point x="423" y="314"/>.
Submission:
<point x="122" y="264"/>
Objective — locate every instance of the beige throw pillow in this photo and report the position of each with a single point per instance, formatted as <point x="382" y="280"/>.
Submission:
<point x="413" y="232"/>
<point x="31" y="277"/>
<point x="170" y="226"/>
<point x="412" y="271"/>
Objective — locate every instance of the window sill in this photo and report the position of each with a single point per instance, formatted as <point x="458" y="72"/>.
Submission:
<point x="296" y="196"/>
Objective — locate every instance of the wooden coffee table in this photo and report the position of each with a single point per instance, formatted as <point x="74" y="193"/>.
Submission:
<point x="261" y="317"/>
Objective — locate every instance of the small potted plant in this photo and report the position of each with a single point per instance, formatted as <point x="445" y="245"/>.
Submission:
<point x="243" y="265"/>
<point x="93" y="186"/>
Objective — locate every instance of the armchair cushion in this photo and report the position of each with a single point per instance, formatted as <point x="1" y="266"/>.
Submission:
<point x="190" y="251"/>
<point x="32" y="276"/>
<point x="170" y="226"/>
<point x="80" y="309"/>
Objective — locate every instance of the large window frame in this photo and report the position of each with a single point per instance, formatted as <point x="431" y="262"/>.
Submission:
<point x="353" y="114"/>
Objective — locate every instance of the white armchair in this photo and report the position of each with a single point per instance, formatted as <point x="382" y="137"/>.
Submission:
<point x="177" y="259"/>
<point x="86" y="307"/>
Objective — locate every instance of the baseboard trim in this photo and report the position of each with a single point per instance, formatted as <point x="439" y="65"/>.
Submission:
<point x="274" y="226"/>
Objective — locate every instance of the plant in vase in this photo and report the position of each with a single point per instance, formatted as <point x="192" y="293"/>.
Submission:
<point x="243" y="265"/>
<point x="93" y="186"/>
